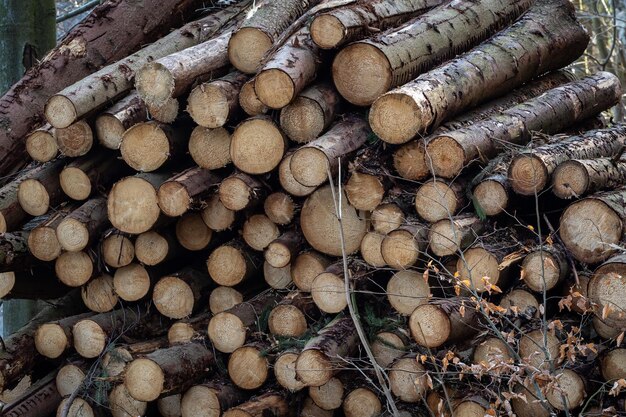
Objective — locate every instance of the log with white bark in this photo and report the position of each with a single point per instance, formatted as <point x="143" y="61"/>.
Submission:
<point x="213" y="103"/>
<point x="185" y="190"/>
<point x="579" y="177"/>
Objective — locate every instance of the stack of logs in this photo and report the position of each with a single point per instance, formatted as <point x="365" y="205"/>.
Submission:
<point x="290" y="208"/>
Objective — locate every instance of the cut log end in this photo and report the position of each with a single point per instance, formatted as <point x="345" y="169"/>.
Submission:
<point x="210" y="148"/>
<point x="216" y="216"/>
<point x="387" y="347"/>
<point x="144" y="379"/>
<point x="79" y="408"/>
<point x="247" y="47"/>
<point x="328" y="293"/>
<point x="288" y="182"/>
<point x="364" y="191"/>
<point x="606" y="289"/>
<point x="235" y="194"/>
<point x="257" y="146"/>
<point x="109" y="131"/>
<point x="227" y="332"/>
<point x="41" y="146"/>
<point x="528" y="175"/>
<point x="248" y="368"/>
<point x="491" y="352"/>
<point x="167" y="112"/>
<point x="99" y="295"/>
<point x="74" y="268"/>
<point x="362" y="403"/>
<point x="309" y="166"/>
<point x="302" y="120"/>
<point x="445" y="238"/>
<point x="479" y="267"/>
<point x="151" y="248"/>
<point x="277" y="255"/>
<point x="7" y="282"/>
<point x="259" y="231"/>
<point x="174" y="199"/>
<point x="131" y="282"/>
<point x="435" y="200"/>
<point x="314" y="368"/>
<point x="274" y="88"/>
<point x="249" y="101"/>
<point x="327" y="31"/>
<point x="285" y="372"/>
<point x="33" y="197"/>
<point x="541" y="270"/>
<point x="492" y="197"/>
<point x="43" y="244"/>
<point x="407" y="290"/>
<point x="145" y="147"/>
<point x="371" y="249"/>
<point x="430" y="326"/>
<point x="223" y="298"/>
<point x="170" y="406"/>
<point x="306" y="267"/>
<point x="73" y="235"/>
<point x="51" y="340"/>
<point x="287" y="321"/>
<point x="280" y="208"/>
<point x="200" y="401"/>
<point x="396" y="118"/>
<point x="60" y="111"/>
<point x="155" y="84"/>
<point x="399" y="249"/>
<point x="410" y="161"/>
<point x="568" y="392"/>
<point x="89" y="339"/>
<point x="117" y="251"/>
<point x="179" y="333"/>
<point x="124" y="405"/>
<point x="133" y="205"/>
<point x="446" y="155"/>
<point x="69" y="378"/>
<point x="192" y="233"/>
<point x="75" y="183"/>
<point x="520" y="301"/>
<point x="613" y="365"/>
<point x="208" y="106"/>
<point x="227" y="266"/>
<point x="407" y="380"/>
<point x="173" y="297"/>
<point x="386" y="218"/>
<point x="328" y="396"/>
<point x="278" y="278"/>
<point x="75" y="140"/>
<point x="361" y="84"/>
<point x="570" y="179"/>
<point x="535" y="352"/>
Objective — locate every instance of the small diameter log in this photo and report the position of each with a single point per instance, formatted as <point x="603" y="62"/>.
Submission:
<point x="568" y="392"/>
<point x="99" y="294"/>
<point x="288" y="182"/>
<point x="539" y="349"/>
<point x="387" y="217"/>
<point x="176" y="295"/>
<point x="310" y="409"/>
<point x="329" y="396"/>
<point x="91" y="335"/>
<point x="530" y="172"/>
<point x="70" y="377"/>
<point x="213" y="103"/>
<point x="407" y="290"/>
<point x="117" y="250"/>
<point x="52" y="339"/>
<point x="224" y="298"/>
<point x="42" y="240"/>
<point x="210" y="148"/>
<point x="321" y="228"/>
<point x="310" y="113"/>
<point x="402" y="247"/>
<point x="279" y="208"/>
<point x="493" y="192"/>
<point x="74" y="140"/>
<point x="111" y="124"/>
<point x="147" y="146"/>
<point x="161" y="80"/>
<point x="362" y="402"/>
<point x="487" y="261"/>
<point x="282" y="250"/>
<point x="170" y="406"/>
<point x="545" y="267"/>
<point x="592" y="227"/>
<point x="367" y="69"/>
<point x="451" y="235"/>
<point x="38" y="192"/>
<point x="613" y="365"/>
<point x="311" y="163"/>
<point x="12" y="215"/>
<point x="520" y="302"/>
<point x="285" y="371"/>
<point x="249" y="101"/>
<point x="289" y="318"/>
<point x="268" y="404"/>
<point x="78" y="408"/>
<point x="551" y="112"/>
<point x="229" y="329"/>
<point x="131" y="282"/>
<point x="182" y="191"/>
<point x="211" y="399"/>
<point x="354" y="22"/>
<point x="371" y="249"/>
<point x="133" y="205"/>
<point x="492" y="351"/>
<point x="277" y="278"/>
<point x="91" y="173"/>
<point x="257" y="145"/>
<point x="83" y="226"/>
<point x="41" y="144"/>
<point x="389" y="345"/>
<point x="240" y="191"/>
<point x="122" y="404"/>
<point x="328" y="289"/>
<point x="114" y="362"/>
<point x="155" y="247"/>
<point x="248" y="366"/>
<point x="306" y="267"/>
<point x="549" y="29"/>
<point x="166" y="113"/>
<point x="433" y="325"/>
<point x="411" y="161"/>
<point x="260" y="29"/>
<point x="216" y="216"/>
<point x="231" y="264"/>
<point x="320" y="358"/>
<point x="437" y="200"/>
<point x="167" y="371"/>
<point x="606" y="290"/>
<point x="579" y="177"/>
<point x="74" y="268"/>
<point x="408" y="379"/>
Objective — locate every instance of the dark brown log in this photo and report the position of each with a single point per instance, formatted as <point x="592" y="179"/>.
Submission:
<point x="211" y="398"/>
<point x="213" y="103"/>
<point x="41" y="144"/>
<point x="147" y="146"/>
<point x="74" y="140"/>
<point x="249" y="101"/>
<point x="268" y="404"/>
<point x="241" y="191"/>
<point x="578" y="177"/>
<point x="40" y="190"/>
<point x="606" y="289"/>
<point x="83" y="226"/>
<point x="279" y="208"/>
<point x="176" y="295"/>
<point x="231" y="264"/>
<point x="257" y="145"/>
<point x="451" y="235"/>
<point x="41" y="399"/>
<point x="185" y="190"/>
<point x="592" y="227"/>
<point x="99" y="294"/>
<point x="167" y="371"/>
<point x="117" y="250"/>
<point x="111" y="124"/>
<point x="14" y="253"/>
<point x="210" y="148"/>
<point x="91" y="173"/>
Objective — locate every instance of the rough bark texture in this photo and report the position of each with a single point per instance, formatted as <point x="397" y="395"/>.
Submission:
<point x="184" y="190"/>
<point x="546" y="38"/>
<point x="42" y="399"/>
<point x="90" y="45"/>
<point x="365" y="70"/>
<point x="267" y="405"/>
<point x="579" y="177"/>
<point x="213" y="103"/>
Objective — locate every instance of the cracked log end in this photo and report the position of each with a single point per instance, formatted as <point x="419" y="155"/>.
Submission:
<point x="446" y="155"/>
<point x="99" y="295"/>
<point x="131" y="282"/>
<point x="144" y="379"/>
<point x="74" y="268"/>
<point x="133" y="206"/>
<point x="33" y="197"/>
<point x="528" y="175"/>
<point x="257" y="146"/>
<point x="247" y="47"/>
<point x="227" y="332"/>
<point x="60" y="111"/>
<point x="154" y="84"/>
<point x="117" y="251"/>
<point x="327" y="31"/>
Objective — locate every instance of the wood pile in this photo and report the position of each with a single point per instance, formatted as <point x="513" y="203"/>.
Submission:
<point x="293" y="207"/>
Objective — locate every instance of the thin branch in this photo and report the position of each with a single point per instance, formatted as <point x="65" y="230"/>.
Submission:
<point x="85" y="7"/>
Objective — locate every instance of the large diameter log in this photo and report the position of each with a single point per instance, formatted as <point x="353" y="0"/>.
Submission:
<point x="216" y="216"/>
<point x="241" y="191"/>
<point x="257" y="145"/>
<point x="176" y="295"/>
<point x="167" y="371"/>
<point x="42" y="240"/>
<point x="84" y="176"/>
<point x="606" y="289"/>
<point x="95" y="90"/>
<point x="436" y="200"/>
<point x="117" y="250"/>
<point x="211" y="399"/>
<point x="322" y="229"/>
<point x="445" y="32"/>
<point x="38" y="192"/>
<point x="353" y="22"/>
<point x="192" y="233"/>
<point x="578" y="177"/>
<point x="52" y="339"/>
<point x="210" y="148"/>
<point x="179" y="193"/>
<point x="311" y="164"/>
<point x="229" y="330"/>
<point x="74" y="140"/>
<point x="407" y="290"/>
<point x="133" y="205"/>
<point x="279" y="208"/>
<point x="249" y="101"/>
<point x="288" y="71"/>
<point x="402" y="247"/>
<point x="549" y="30"/>
<point x="530" y="171"/>
<point x="231" y="264"/>
<point x="590" y="228"/>
<point x="306" y="267"/>
<point x="451" y="235"/>
<point x="41" y="144"/>
<point x="147" y="146"/>
<point x="260" y="29"/>
<point x="551" y="112"/>
<point x="99" y="294"/>
<point x="111" y="124"/>
<point x="310" y="113"/>
<point x="170" y="76"/>
<point x="288" y="182"/>
<point x="320" y="358"/>
<point x="83" y="225"/>
<point x="407" y="379"/>
<point x="544" y="268"/>
<point x="213" y="103"/>
<point x="268" y="404"/>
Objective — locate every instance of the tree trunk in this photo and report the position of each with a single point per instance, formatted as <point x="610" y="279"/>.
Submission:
<point x="132" y="282"/>
<point x="362" y="402"/>
<point x="579" y="177"/>
<point x="223" y="298"/>
<point x="111" y="124"/>
<point x="213" y="103"/>
<point x="549" y="30"/>
<point x="184" y="190"/>
<point x="592" y="228"/>
<point x="122" y="404"/>
<point x="367" y="69"/>
<point x="285" y="370"/>
<point x="83" y="226"/>
<point x="530" y="171"/>
<point x="74" y="268"/>
<point x="551" y="112"/>
<point x="210" y="148"/>
<point x="330" y="395"/>
<point x="257" y="145"/>
<point x="259" y="231"/>
<point x="328" y="289"/>
<point x="371" y="249"/>
<point x="354" y="22"/>
<point x="211" y="399"/>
